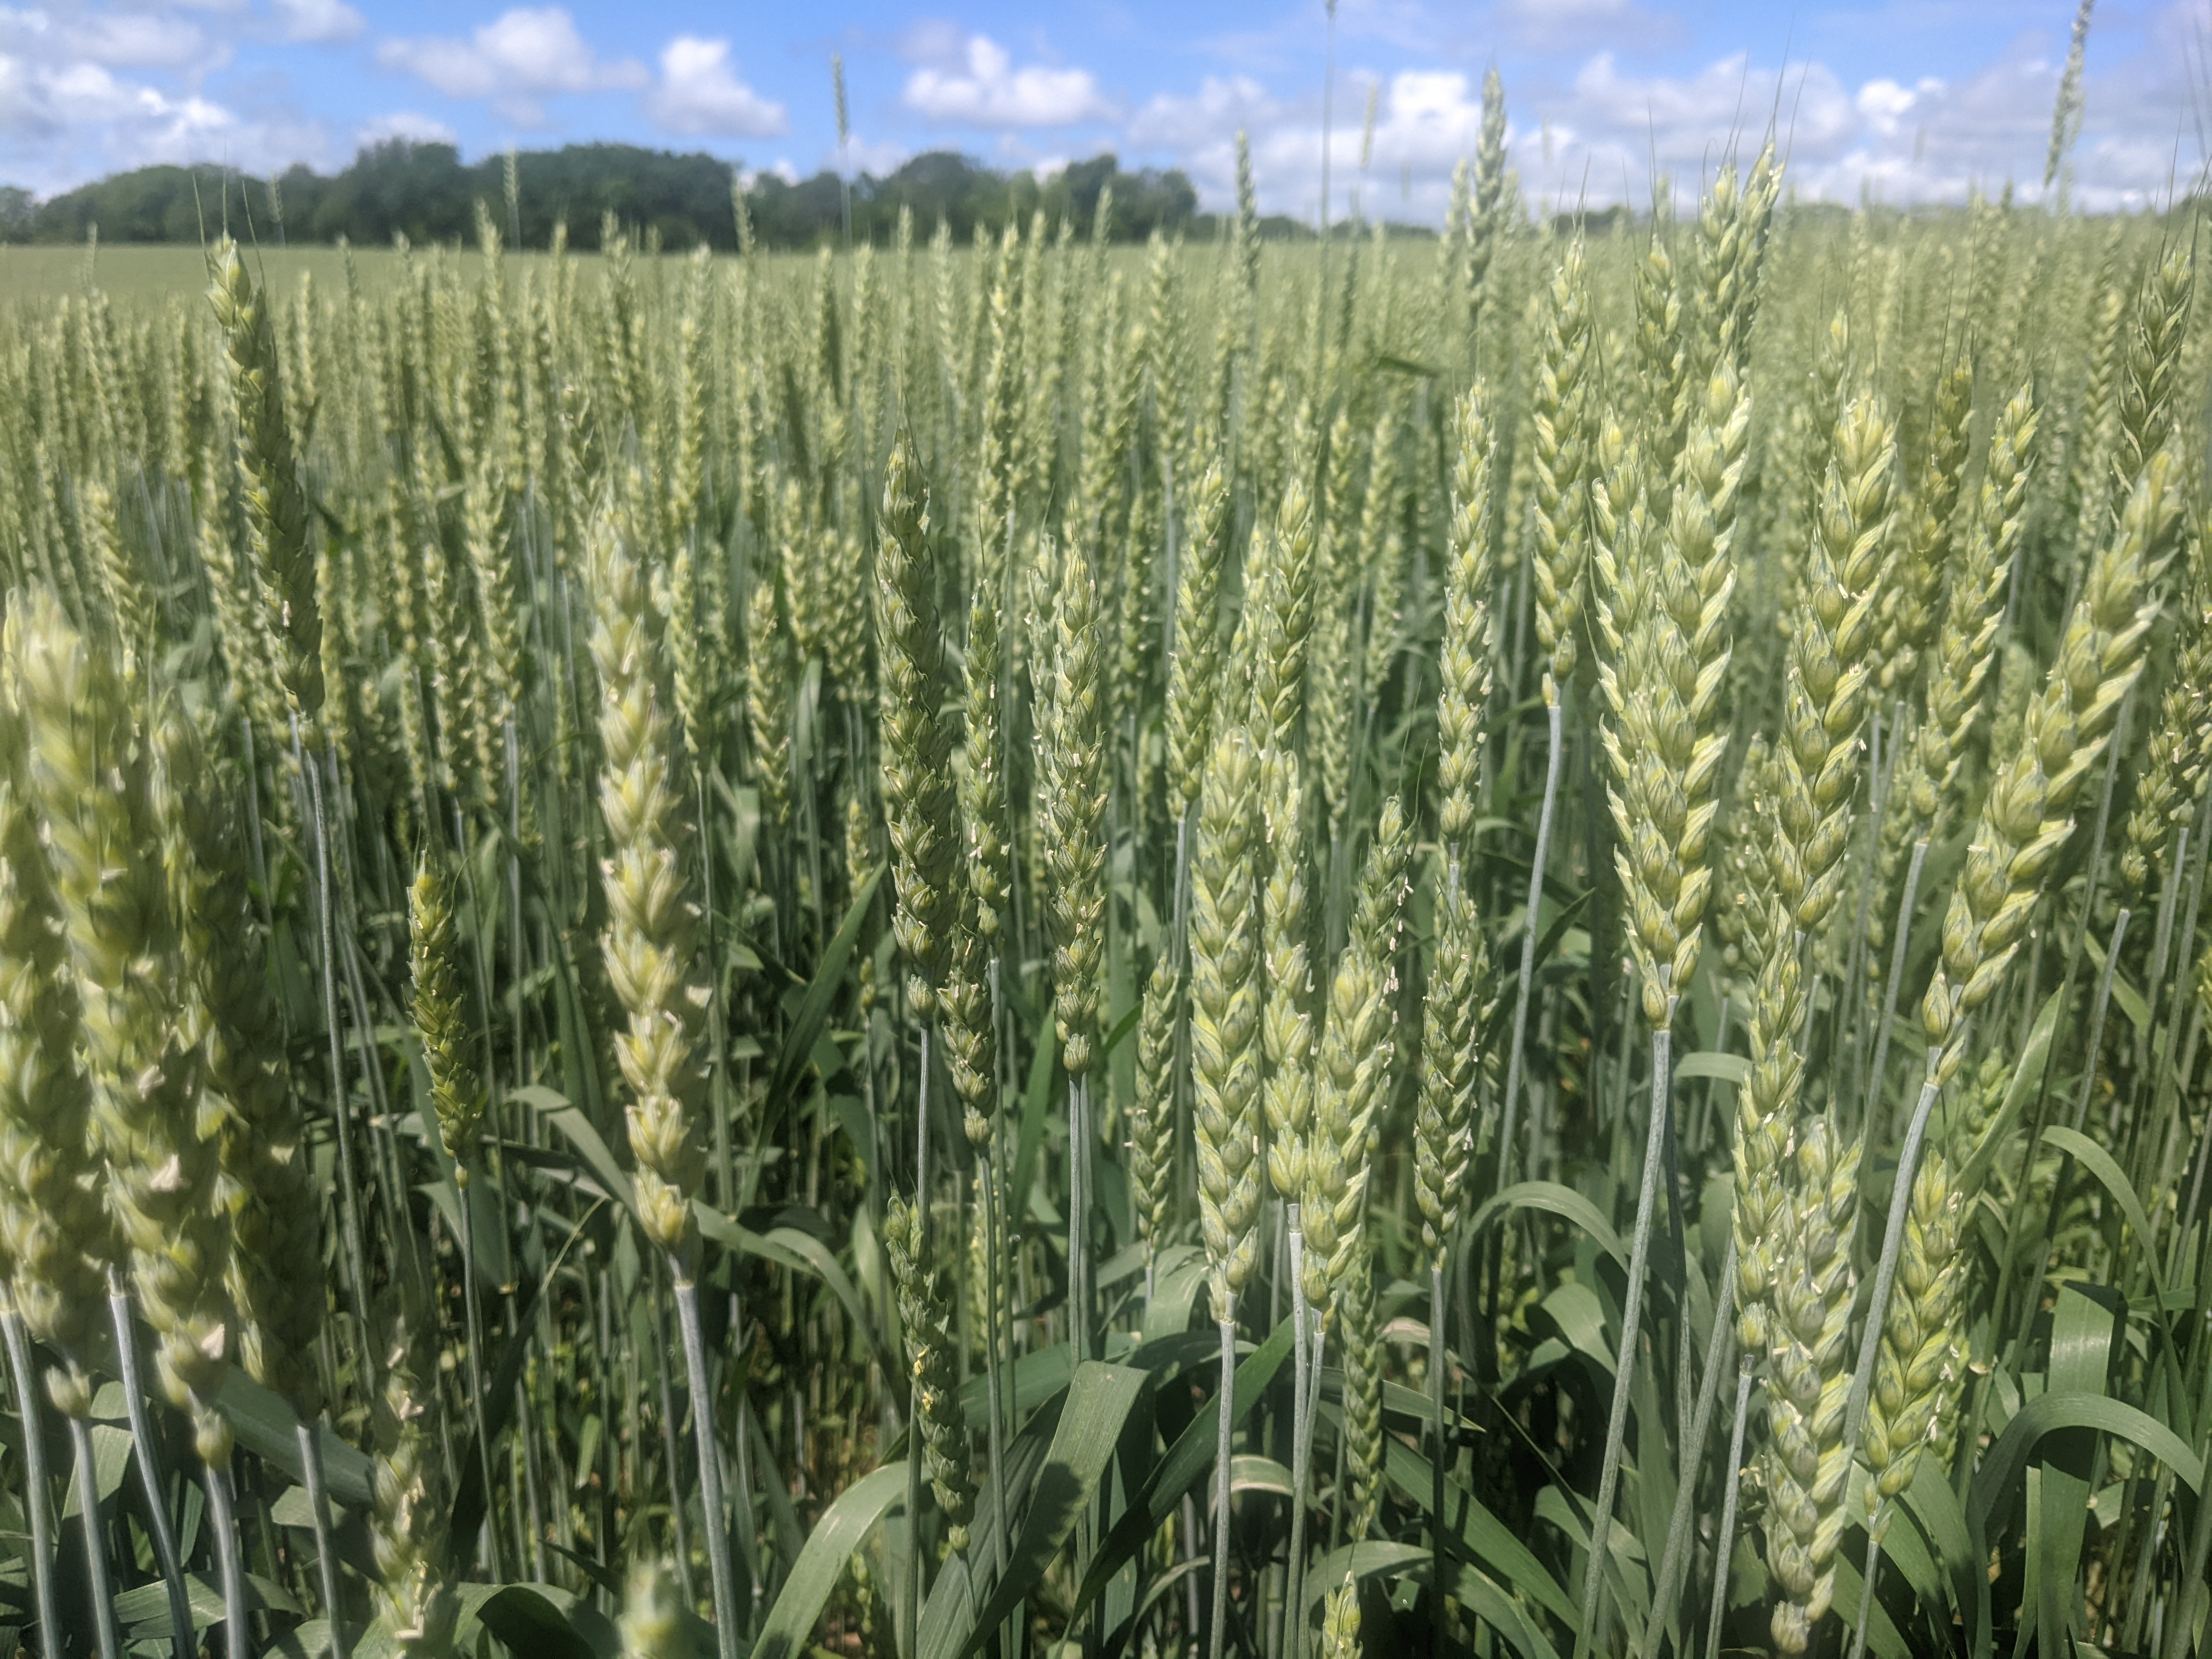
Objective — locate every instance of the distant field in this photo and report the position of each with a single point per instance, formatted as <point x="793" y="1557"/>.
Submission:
<point x="144" y="271"/>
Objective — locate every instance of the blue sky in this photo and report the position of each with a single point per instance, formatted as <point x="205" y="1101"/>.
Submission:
<point x="1911" y="101"/>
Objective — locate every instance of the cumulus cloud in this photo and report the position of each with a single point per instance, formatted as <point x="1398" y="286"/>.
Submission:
<point x="980" y="87"/>
<point x="699" y="92"/>
<point x="85" y="91"/>
<point x="522" y="57"/>
<point x="137" y="40"/>
<point x="1425" y="120"/>
<point x="317" y="20"/>
<point x="1592" y="126"/>
<point x="412" y="125"/>
<point x="879" y="156"/>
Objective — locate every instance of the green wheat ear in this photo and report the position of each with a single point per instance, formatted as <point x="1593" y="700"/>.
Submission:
<point x="653" y="1617"/>
<point x="440" y="1024"/>
<point x="267" y="1188"/>
<point x="925" y="1303"/>
<point x="409" y="1505"/>
<point x="651" y="923"/>
<point x="1339" y="1623"/>
<point x="1225" y="1018"/>
<point x="276" y="505"/>
<point x="90" y="770"/>
<point x="55" y="1234"/>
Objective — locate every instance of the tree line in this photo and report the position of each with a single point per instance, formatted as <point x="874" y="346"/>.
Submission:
<point x="426" y="192"/>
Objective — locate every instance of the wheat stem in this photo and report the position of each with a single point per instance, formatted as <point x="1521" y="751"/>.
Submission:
<point x="1225" y="1424"/>
<point x="1731" y="1484"/>
<point x="34" y="1474"/>
<point x="1892" y="1245"/>
<point x="1869" y="1582"/>
<point x="145" y="1453"/>
<point x="1631" y="1325"/>
<point x="1512" y="1097"/>
<point x="1889" y="990"/>
<point x="1674" y="1560"/>
<point x="95" y="1556"/>
<point x="349" y="1181"/>
<point x="711" y="1517"/>
<point x="1439" y="1544"/>
<point x="318" y="1507"/>
<point x="1303" y="1383"/>
<point x="910" y="1591"/>
<point x="223" y="1522"/>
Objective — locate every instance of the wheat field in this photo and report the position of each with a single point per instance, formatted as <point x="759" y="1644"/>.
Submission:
<point x="1041" y="950"/>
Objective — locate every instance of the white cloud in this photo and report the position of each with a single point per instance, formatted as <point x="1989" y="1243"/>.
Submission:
<point x="1884" y="103"/>
<point x="412" y="125"/>
<point x="524" y="55"/>
<point x="982" y="88"/>
<point x="699" y="92"/>
<point x="1221" y="105"/>
<point x="91" y="89"/>
<point x="318" y="20"/>
<point x="1424" y="121"/>
<point x="876" y="156"/>
<point x="135" y="40"/>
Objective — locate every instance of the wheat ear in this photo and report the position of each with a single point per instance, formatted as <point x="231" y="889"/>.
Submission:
<point x="1225" y="1039"/>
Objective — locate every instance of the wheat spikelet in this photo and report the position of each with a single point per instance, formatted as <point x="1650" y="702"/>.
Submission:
<point x="1194" y="671"/>
<point x="2150" y="361"/>
<point x="90" y="770"/>
<point x="983" y="789"/>
<point x="1561" y="466"/>
<point x="136" y="623"/>
<point x="919" y="795"/>
<point x="1363" y="1393"/>
<point x="414" y="1604"/>
<point x="1664" y="594"/>
<point x="276" y="505"/>
<point x="651" y="922"/>
<point x="925" y="1303"/>
<point x="1287" y="1020"/>
<point x="1661" y="364"/>
<point x="1225" y="1017"/>
<point x="1328" y="690"/>
<point x="1766" y="1100"/>
<point x="1807" y="1462"/>
<point x="267" y="1186"/>
<point x="1825" y="696"/>
<point x="1339" y="1620"/>
<point x="457" y="1094"/>
<point x="1457" y="1005"/>
<point x="651" y="1623"/>
<point x="1914" y="608"/>
<point x="1465" y="655"/>
<point x="1352" y="1079"/>
<point x="2172" y="780"/>
<point x="1071" y="806"/>
<point x="1151" y="1116"/>
<point x="770" y="671"/>
<point x="1921" y="1343"/>
<point x="54" y="1231"/>
<point x="1732" y="229"/>
<point x="496" y="675"/>
<point x="1965" y="649"/>
<point x="2025" y="822"/>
